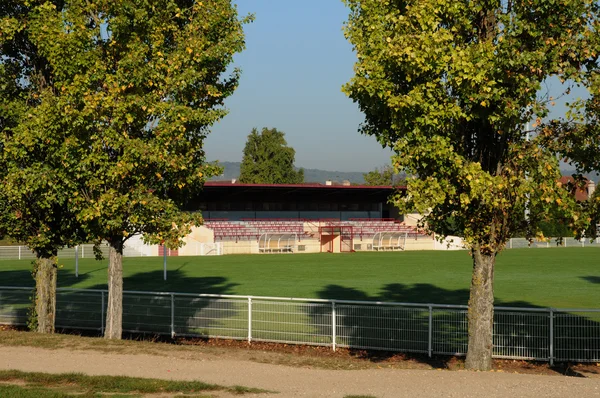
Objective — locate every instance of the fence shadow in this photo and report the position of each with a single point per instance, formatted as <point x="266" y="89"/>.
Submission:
<point x="380" y="332"/>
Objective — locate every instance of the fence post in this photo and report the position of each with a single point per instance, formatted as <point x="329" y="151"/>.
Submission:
<point x="333" y="326"/>
<point x="172" y="315"/>
<point x="510" y="243"/>
<point x="430" y="332"/>
<point x="19" y="252"/>
<point x="165" y="262"/>
<point x="551" y="353"/>
<point x="102" y="314"/>
<point x="249" y="319"/>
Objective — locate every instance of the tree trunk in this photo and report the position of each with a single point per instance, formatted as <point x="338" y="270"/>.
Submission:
<point x="45" y="300"/>
<point x="481" y="312"/>
<point x="114" y="309"/>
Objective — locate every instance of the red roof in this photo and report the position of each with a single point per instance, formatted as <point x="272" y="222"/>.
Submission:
<point x="581" y="194"/>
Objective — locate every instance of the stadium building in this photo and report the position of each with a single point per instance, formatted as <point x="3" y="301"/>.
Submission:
<point x="310" y="218"/>
<point x="262" y="218"/>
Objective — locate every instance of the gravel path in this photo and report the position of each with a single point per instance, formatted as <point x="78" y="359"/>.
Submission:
<point x="300" y="382"/>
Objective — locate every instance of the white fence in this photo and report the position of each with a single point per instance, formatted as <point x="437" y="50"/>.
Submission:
<point x="130" y="250"/>
<point x="543" y="334"/>
<point x="520" y="243"/>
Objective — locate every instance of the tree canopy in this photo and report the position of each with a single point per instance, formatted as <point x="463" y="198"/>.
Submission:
<point x="36" y="187"/>
<point x="132" y="89"/>
<point x="450" y="85"/>
<point x="385" y="176"/>
<point x="268" y="160"/>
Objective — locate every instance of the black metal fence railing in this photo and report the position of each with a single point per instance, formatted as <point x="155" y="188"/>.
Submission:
<point x="543" y="334"/>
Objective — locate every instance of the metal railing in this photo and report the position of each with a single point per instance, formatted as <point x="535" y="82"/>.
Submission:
<point x="521" y="243"/>
<point x="131" y="249"/>
<point x="543" y="334"/>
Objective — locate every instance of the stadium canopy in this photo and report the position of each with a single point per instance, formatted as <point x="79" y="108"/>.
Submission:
<point x="213" y="190"/>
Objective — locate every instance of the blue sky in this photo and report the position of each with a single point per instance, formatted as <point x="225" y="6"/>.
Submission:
<point x="294" y="66"/>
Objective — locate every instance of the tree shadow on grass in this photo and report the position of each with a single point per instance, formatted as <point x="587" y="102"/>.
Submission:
<point x="591" y="278"/>
<point x="23" y="278"/>
<point x="15" y="305"/>
<point x="380" y="332"/>
<point x="159" y="313"/>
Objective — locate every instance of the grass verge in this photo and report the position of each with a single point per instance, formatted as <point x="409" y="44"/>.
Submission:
<point x="15" y="383"/>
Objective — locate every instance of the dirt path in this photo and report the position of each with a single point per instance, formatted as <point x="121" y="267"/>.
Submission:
<point x="300" y="382"/>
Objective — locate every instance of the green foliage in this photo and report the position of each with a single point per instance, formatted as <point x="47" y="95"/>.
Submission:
<point x="449" y="85"/>
<point x="386" y="176"/>
<point x="268" y="160"/>
<point x="577" y="139"/>
<point x="556" y="229"/>
<point x="36" y="186"/>
<point x="127" y="94"/>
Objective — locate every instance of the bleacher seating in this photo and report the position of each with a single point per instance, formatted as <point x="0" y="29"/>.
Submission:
<point x="249" y="229"/>
<point x="230" y="230"/>
<point x="366" y="228"/>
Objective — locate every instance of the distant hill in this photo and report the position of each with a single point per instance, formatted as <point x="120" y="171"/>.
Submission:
<point x="232" y="170"/>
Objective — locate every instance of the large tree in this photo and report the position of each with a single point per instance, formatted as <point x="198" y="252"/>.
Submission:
<point x="450" y="86"/>
<point x="137" y="85"/>
<point x="268" y="160"/>
<point x="35" y="187"/>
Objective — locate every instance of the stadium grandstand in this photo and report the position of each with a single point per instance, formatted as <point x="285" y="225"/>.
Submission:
<point x="311" y="218"/>
<point x="261" y="218"/>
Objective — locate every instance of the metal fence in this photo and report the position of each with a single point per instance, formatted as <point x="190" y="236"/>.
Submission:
<point x="519" y="333"/>
<point x="81" y="251"/>
<point x="131" y="249"/>
<point x="521" y="243"/>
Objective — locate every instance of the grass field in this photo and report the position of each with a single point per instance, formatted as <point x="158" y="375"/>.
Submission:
<point x="554" y="277"/>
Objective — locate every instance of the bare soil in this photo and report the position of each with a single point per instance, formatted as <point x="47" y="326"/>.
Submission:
<point x="294" y="371"/>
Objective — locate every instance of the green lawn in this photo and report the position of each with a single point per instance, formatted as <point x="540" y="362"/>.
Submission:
<point x="556" y="277"/>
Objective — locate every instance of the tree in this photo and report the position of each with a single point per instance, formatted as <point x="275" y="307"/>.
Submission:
<point x="386" y="176"/>
<point x="268" y="160"/>
<point x="577" y="139"/>
<point x="450" y="86"/>
<point x="35" y="187"/>
<point x="137" y="86"/>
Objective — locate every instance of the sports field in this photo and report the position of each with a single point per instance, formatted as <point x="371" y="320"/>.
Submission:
<point x="553" y="277"/>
